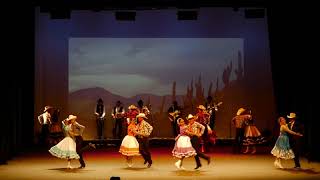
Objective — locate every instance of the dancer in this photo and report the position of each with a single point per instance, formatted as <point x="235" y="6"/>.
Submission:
<point x="195" y="131"/>
<point x="282" y="149"/>
<point x="182" y="148"/>
<point x="130" y="146"/>
<point x="296" y="142"/>
<point x="66" y="149"/>
<point x="77" y="130"/>
<point x="252" y="135"/>
<point x="143" y="131"/>
<point x="239" y="122"/>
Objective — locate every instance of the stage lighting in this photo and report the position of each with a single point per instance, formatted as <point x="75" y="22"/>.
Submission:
<point x="125" y="15"/>
<point x="187" y="15"/>
<point x="254" y="13"/>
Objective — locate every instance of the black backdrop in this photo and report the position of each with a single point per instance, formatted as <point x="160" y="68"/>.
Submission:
<point x="291" y="29"/>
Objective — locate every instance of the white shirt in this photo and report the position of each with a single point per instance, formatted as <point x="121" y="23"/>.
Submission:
<point x="45" y="119"/>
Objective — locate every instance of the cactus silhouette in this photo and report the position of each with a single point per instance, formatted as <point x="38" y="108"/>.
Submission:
<point x="174" y="91"/>
<point x="210" y="89"/>
<point x="226" y="74"/>
<point x="162" y="104"/>
<point x="199" y="91"/>
<point x="239" y="71"/>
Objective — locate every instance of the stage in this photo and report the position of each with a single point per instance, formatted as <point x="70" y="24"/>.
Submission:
<point x="107" y="162"/>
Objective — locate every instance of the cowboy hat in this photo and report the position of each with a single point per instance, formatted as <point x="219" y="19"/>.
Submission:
<point x="190" y="116"/>
<point x="240" y="111"/>
<point x="179" y="120"/>
<point x="132" y="107"/>
<point x="292" y="115"/>
<point x="71" y="117"/>
<point x="201" y="107"/>
<point x="46" y="108"/>
<point x="142" y="115"/>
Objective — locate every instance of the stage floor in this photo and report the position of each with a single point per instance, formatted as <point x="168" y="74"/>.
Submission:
<point x="105" y="163"/>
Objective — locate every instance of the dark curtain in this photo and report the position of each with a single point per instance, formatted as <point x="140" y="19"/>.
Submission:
<point x="18" y="81"/>
<point x="290" y="33"/>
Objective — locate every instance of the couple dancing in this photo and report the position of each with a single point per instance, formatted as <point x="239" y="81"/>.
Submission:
<point x="289" y="142"/>
<point x="137" y="141"/>
<point x="72" y="146"/>
<point x="188" y="142"/>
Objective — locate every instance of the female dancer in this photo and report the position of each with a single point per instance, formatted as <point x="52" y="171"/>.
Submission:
<point x="130" y="146"/>
<point x="252" y="135"/>
<point x="282" y="148"/>
<point x="66" y="148"/>
<point x="182" y="148"/>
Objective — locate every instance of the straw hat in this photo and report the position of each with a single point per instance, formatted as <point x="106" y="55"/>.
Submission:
<point x="190" y="116"/>
<point x="46" y="108"/>
<point x="292" y="116"/>
<point x="71" y="117"/>
<point x="240" y="111"/>
<point x="142" y="115"/>
<point x="201" y="107"/>
<point x="132" y="107"/>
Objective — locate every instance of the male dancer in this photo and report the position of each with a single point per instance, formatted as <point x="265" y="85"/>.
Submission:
<point x="143" y="131"/>
<point x="296" y="142"/>
<point x="77" y="131"/>
<point x="195" y="131"/>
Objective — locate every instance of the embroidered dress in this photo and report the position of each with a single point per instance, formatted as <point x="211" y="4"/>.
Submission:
<point x="183" y="147"/>
<point x="252" y="135"/>
<point x="66" y="148"/>
<point x="282" y="147"/>
<point x="130" y="145"/>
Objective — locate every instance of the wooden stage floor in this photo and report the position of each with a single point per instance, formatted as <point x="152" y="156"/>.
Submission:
<point x="105" y="163"/>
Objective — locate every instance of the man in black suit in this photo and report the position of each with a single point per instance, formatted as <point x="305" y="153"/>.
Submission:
<point x="296" y="142"/>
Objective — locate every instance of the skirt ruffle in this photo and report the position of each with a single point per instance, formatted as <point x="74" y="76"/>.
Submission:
<point x="129" y="146"/>
<point x="252" y="136"/>
<point x="55" y="151"/>
<point x="283" y="154"/>
<point x="183" y="148"/>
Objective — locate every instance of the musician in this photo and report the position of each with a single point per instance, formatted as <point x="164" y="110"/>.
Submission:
<point x="203" y="118"/>
<point x="45" y="121"/>
<point x="118" y="114"/>
<point x="100" y="118"/>
<point x="142" y="108"/>
<point x="211" y="108"/>
<point x="174" y="114"/>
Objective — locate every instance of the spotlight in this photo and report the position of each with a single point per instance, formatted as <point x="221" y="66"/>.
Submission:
<point x="125" y="15"/>
<point x="187" y="15"/>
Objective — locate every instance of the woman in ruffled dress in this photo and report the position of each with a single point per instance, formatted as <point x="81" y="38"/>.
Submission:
<point x="282" y="149"/>
<point x="252" y="135"/>
<point x="66" y="148"/>
<point x="183" y="147"/>
<point x="130" y="146"/>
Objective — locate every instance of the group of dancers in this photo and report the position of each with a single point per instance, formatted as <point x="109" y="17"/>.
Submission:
<point x="187" y="144"/>
<point x="194" y="130"/>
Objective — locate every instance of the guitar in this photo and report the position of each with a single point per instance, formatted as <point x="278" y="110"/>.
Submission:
<point x="173" y="115"/>
<point x="214" y="107"/>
